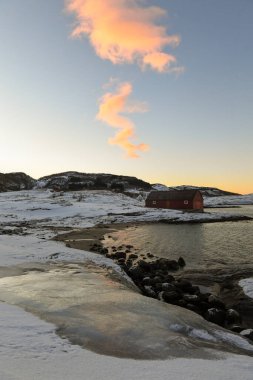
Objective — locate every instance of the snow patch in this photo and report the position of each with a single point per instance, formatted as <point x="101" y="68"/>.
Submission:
<point x="247" y="285"/>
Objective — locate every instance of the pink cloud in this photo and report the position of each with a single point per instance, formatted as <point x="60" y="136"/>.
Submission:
<point x="112" y="108"/>
<point x="125" y="31"/>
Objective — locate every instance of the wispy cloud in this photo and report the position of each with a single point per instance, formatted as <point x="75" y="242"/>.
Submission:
<point x="113" y="106"/>
<point x="125" y="31"/>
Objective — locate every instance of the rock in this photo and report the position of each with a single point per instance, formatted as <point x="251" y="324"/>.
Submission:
<point x="181" y="303"/>
<point x="193" y="307"/>
<point x="16" y="182"/>
<point x="146" y="281"/>
<point x="171" y="296"/>
<point x="215" y="302"/>
<point x="167" y="286"/>
<point x="236" y="328"/>
<point x="183" y="285"/>
<point x="233" y="317"/>
<point x="181" y="262"/>
<point x="169" y="278"/>
<point x="133" y="256"/>
<point x="104" y="251"/>
<point x="149" y="291"/>
<point x="191" y="298"/>
<point x="121" y="261"/>
<point x="204" y="306"/>
<point x="195" y="289"/>
<point x="247" y="334"/>
<point x="129" y="263"/>
<point x="136" y="273"/>
<point x="215" y="315"/>
<point x="145" y="266"/>
<point x="119" y="255"/>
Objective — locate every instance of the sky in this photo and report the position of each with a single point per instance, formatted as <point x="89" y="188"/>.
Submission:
<point x="157" y="89"/>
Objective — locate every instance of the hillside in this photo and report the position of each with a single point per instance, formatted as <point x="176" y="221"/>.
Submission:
<point x="82" y="181"/>
<point x="206" y="191"/>
<point x="15" y="182"/>
<point x="70" y="181"/>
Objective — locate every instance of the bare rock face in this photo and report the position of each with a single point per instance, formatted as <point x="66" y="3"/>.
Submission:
<point x="81" y="181"/>
<point x="16" y="182"/>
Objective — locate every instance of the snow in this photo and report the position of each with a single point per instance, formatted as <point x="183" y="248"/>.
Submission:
<point x="229" y="200"/>
<point x="30" y="348"/>
<point x="247" y="285"/>
<point x="41" y="207"/>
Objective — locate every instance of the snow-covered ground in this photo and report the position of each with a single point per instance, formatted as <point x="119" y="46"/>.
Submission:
<point x="29" y="347"/>
<point x="235" y="200"/>
<point x="87" y="208"/>
<point x="247" y="285"/>
<point x="30" y="350"/>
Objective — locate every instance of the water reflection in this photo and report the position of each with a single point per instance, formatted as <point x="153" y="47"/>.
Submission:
<point x="214" y="244"/>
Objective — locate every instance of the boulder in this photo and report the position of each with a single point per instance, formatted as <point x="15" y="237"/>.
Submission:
<point x="215" y="315"/>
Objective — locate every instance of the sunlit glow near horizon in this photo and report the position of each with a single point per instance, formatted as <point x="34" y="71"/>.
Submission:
<point x="179" y="98"/>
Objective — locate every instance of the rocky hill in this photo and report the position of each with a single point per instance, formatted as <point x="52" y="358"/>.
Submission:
<point x="16" y="182"/>
<point x="81" y="181"/>
<point x="206" y="191"/>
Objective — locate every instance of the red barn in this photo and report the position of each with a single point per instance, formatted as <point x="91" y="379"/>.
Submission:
<point x="176" y="199"/>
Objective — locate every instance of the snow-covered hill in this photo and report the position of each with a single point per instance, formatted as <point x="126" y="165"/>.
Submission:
<point x="82" y="181"/>
<point x="206" y="191"/>
<point x="15" y="182"/>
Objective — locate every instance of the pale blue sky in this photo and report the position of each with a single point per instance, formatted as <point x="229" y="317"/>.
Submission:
<point x="199" y="124"/>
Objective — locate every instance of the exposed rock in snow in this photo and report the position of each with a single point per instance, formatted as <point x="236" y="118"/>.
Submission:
<point x="206" y="191"/>
<point x="15" y="181"/>
<point x="81" y="181"/>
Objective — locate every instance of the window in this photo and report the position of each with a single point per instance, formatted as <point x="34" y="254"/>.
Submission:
<point x="186" y="202"/>
<point x="154" y="202"/>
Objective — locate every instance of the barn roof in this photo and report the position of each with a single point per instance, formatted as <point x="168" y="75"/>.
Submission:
<point x="172" y="195"/>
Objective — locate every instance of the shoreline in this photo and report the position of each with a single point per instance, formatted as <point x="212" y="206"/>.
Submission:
<point x="223" y="284"/>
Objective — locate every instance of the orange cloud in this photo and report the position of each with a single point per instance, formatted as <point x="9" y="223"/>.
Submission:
<point x="125" y="31"/>
<point x="112" y="106"/>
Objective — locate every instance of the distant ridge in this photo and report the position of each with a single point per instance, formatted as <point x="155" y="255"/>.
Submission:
<point x="72" y="180"/>
<point x="206" y="191"/>
<point x="81" y="181"/>
<point x="16" y="181"/>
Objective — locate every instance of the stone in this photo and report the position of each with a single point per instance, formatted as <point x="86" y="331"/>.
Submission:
<point x="104" y="251"/>
<point x="170" y="296"/>
<point x="233" y="317"/>
<point x="136" y="273"/>
<point x="133" y="256"/>
<point x="215" y="302"/>
<point x="149" y="291"/>
<point x="167" y="286"/>
<point x="193" y="307"/>
<point x="215" y="315"/>
<point x="184" y="285"/>
<point x="146" y="280"/>
<point x="119" y="255"/>
<point x="145" y="266"/>
<point x="191" y="298"/>
<point x="181" y="262"/>
<point x="248" y="333"/>
<point x="236" y="328"/>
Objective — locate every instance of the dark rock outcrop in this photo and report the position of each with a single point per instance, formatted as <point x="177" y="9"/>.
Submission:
<point x="16" y="182"/>
<point x="82" y="181"/>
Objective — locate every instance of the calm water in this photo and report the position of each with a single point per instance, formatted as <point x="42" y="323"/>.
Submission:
<point x="201" y="245"/>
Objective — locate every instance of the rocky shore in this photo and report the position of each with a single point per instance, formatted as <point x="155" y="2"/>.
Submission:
<point x="163" y="279"/>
